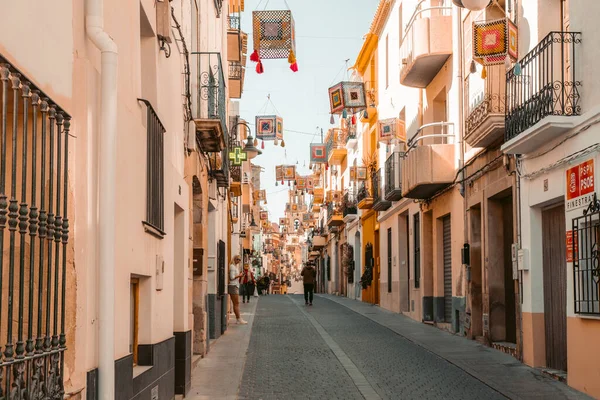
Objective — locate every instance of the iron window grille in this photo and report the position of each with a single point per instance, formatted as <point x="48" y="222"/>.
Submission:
<point x="546" y="85"/>
<point x="586" y="260"/>
<point x="155" y="185"/>
<point x="34" y="236"/>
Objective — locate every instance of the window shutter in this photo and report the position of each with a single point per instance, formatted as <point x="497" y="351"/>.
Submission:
<point x="163" y="20"/>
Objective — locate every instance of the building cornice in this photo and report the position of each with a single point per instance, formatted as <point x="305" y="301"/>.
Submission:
<point x="381" y="15"/>
<point x="372" y="38"/>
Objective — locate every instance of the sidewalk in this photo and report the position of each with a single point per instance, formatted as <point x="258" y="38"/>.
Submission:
<point x="218" y="375"/>
<point x="499" y="371"/>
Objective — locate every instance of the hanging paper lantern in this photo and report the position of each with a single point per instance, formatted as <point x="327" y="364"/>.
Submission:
<point x="475" y="5"/>
<point x="347" y="96"/>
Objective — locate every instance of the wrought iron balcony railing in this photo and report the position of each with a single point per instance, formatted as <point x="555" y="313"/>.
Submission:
<point x="349" y="204"/>
<point x="544" y="83"/>
<point x="484" y="99"/>
<point x="209" y="92"/>
<point x="393" y="177"/>
<point x="236" y="70"/>
<point x="363" y="192"/>
<point x="233" y="22"/>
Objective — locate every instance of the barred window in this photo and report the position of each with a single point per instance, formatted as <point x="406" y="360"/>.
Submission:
<point x="155" y="215"/>
<point x="585" y="253"/>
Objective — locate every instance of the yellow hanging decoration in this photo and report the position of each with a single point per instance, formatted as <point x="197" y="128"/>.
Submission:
<point x="484" y="72"/>
<point x="291" y="57"/>
<point x="282" y="143"/>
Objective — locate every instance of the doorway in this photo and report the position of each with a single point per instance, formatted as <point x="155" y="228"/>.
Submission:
<point x="500" y="280"/>
<point x="403" y="258"/>
<point x="476" y="299"/>
<point x="555" y="286"/>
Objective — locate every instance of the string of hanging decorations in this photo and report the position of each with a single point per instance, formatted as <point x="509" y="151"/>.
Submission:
<point x="269" y="125"/>
<point x="273" y="36"/>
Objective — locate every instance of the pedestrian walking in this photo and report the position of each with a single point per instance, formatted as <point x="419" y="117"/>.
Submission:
<point x="247" y="284"/>
<point x="309" y="276"/>
<point x="267" y="284"/>
<point x="234" y="287"/>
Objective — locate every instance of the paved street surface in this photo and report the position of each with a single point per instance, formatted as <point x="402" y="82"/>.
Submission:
<point x="344" y="349"/>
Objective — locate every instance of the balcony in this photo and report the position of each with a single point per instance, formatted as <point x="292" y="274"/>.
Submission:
<point x="209" y="106"/>
<point x="334" y="215"/>
<point x="236" y="79"/>
<point x="318" y="196"/>
<point x="426" y="44"/>
<point x="393" y="177"/>
<point x="219" y="169"/>
<point x="429" y="164"/>
<point x="363" y="197"/>
<point x="485" y="98"/>
<point x="379" y="201"/>
<point x="335" y="144"/>
<point x="349" y="207"/>
<point x="237" y="41"/>
<point x="543" y="97"/>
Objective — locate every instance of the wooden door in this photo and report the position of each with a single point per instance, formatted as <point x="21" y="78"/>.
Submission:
<point x="555" y="286"/>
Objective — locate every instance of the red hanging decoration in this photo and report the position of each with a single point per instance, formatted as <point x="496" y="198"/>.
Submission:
<point x="259" y="68"/>
<point x="353" y="119"/>
<point x="262" y="144"/>
<point x="294" y="67"/>
<point x="282" y="182"/>
<point x="254" y="56"/>
<point x="326" y="166"/>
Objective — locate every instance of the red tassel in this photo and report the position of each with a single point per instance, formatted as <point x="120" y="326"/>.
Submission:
<point x="262" y="144"/>
<point x="294" y="67"/>
<point x="254" y="56"/>
<point x="282" y="181"/>
<point x="353" y="119"/>
<point x="259" y="68"/>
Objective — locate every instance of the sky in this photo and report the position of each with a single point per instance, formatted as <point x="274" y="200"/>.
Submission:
<point x="328" y="32"/>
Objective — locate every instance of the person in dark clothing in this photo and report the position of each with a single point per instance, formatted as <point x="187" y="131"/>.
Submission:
<point x="267" y="284"/>
<point x="309" y="276"/>
<point x="247" y="283"/>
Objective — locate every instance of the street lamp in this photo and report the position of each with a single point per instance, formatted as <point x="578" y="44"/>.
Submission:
<point x="250" y="149"/>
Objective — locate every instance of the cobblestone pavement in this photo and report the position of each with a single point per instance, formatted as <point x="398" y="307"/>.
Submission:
<point x="326" y="352"/>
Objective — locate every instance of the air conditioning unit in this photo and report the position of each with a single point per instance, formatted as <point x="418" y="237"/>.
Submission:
<point x="191" y="137"/>
<point x="212" y="189"/>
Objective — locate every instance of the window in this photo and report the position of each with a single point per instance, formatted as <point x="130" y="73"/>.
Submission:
<point x="155" y="216"/>
<point x="387" y="67"/>
<point x="584" y="241"/>
<point x="134" y="312"/>
<point x="417" y="250"/>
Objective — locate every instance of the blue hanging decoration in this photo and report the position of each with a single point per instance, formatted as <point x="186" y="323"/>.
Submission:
<point x="366" y="115"/>
<point x="517" y="69"/>
<point x="344" y="114"/>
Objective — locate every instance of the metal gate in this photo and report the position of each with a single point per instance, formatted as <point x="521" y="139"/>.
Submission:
<point x="555" y="286"/>
<point x="447" y="239"/>
<point x="33" y="222"/>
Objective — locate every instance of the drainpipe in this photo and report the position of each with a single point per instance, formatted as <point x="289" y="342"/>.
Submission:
<point x="94" y="25"/>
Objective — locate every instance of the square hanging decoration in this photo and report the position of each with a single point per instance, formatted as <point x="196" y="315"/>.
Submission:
<point x="318" y="153"/>
<point x="283" y="221"/>
<point x="264" y="215"/>
<point x="301" y="183"/>
<point x="289" y="172"/>
<point x="387" y="130"/>
<point x="349" y="96"/>
<point x="494" y="40"/>
<point x="269" y="127"/>
<point x="279" y="173"/>
<point x="309" y="183"/>
<point x="262" y="195"/>
<point x="361" y="173"/>
<point x="274" y="34"/>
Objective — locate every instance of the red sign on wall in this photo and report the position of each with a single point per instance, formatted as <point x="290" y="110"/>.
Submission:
<point x="580" y="185"/>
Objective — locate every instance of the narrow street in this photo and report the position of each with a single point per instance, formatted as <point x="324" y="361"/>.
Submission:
<point x="343" y="349"/>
